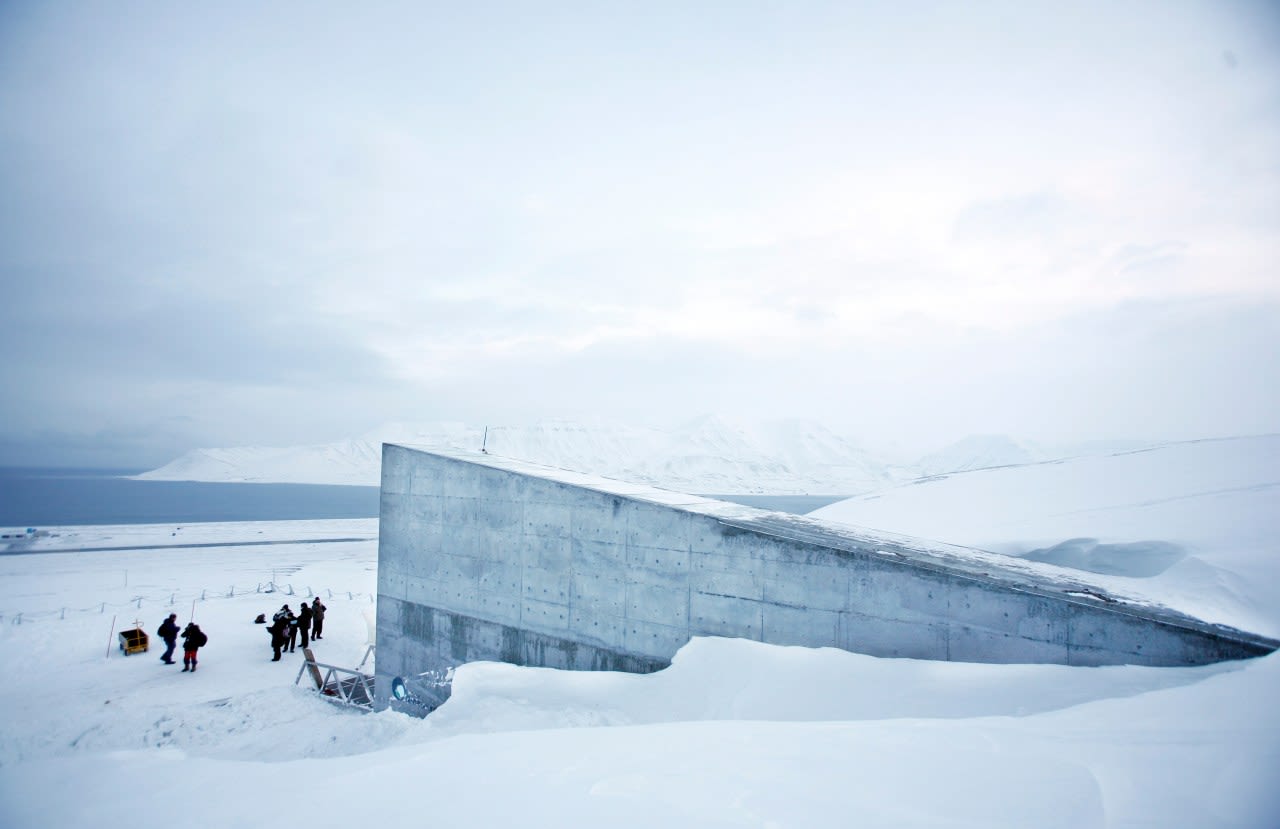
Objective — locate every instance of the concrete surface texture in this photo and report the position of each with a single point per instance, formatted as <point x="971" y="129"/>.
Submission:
<point x="486" y="558"/>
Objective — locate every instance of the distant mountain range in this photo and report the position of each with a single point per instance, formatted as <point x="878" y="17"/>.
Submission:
<point x="708" y="455"/>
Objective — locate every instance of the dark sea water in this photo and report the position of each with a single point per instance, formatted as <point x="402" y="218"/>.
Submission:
<point x="63" y="497"/>
<point x="67" y="497"/>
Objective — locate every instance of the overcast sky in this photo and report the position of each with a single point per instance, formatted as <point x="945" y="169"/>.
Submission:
<point x="222" y="225"/>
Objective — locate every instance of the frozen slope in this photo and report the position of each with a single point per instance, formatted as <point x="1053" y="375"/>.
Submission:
<point x="1196" y="523"/>
<point x="987" y="451"/>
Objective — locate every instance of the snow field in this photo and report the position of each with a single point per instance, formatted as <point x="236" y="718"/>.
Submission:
<point x="734" y="733"/>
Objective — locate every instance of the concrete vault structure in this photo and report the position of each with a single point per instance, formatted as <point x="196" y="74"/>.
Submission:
<point x="487" y="558"/>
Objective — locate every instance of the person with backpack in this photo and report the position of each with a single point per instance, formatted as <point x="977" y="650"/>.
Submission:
<point x="193" y="639"/>
<point x="317" y="619"/>
<point x="279" y="631"/>
<point x="169" y="633"/>
<point x="304" y="622"/>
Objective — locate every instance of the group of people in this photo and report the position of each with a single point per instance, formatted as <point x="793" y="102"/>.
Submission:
<point x="193" y="639"/>
<point x="286" y="627"/>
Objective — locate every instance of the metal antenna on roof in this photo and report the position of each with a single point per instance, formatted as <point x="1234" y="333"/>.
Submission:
<point x="485" y="442"/>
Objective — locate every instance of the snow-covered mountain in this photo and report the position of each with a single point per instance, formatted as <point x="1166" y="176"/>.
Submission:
<point x="978" y="452"/>
<point x="706" y="455"/>
<point x="709" y="455"/>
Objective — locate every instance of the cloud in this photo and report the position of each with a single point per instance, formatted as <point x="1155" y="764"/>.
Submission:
<point x="237" y="224"/>
<point x="1143" y="370"/>
<point x="1036" y="217"/>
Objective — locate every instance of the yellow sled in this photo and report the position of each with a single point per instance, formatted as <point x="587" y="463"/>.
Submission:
<point x="133" y="641"/>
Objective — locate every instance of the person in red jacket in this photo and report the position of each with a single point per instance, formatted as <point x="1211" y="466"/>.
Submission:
<point x="193" y="639"/>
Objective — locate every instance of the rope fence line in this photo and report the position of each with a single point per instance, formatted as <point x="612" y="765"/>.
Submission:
<point x="173" y="599"/>
<point x="184" y="546"/>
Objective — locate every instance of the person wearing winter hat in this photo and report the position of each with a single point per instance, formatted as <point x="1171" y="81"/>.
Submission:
<point x="304" y="622"/>
<point x="169" y="633"/>
<point x="317" y="618"/>
<point x="193" y="639"/>
<point x="279" y="632"/>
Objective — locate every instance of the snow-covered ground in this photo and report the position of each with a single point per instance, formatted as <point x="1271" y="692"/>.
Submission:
<point x="734" y="733"/>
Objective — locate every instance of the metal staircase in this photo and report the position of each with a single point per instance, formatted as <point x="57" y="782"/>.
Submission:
<point x="344" y="686"/>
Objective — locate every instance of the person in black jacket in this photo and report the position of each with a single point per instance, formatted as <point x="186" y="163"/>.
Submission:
<point x="192" y="640"/>
<point x="169" y="633"/>
<point x="279" y="631"/>
<point x="317" y="618"/>
<point x="293" y="631"/>
<point x="304" y="622"/>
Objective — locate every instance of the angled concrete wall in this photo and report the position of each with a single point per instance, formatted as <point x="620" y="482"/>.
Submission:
<point x="482" y="558"/>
